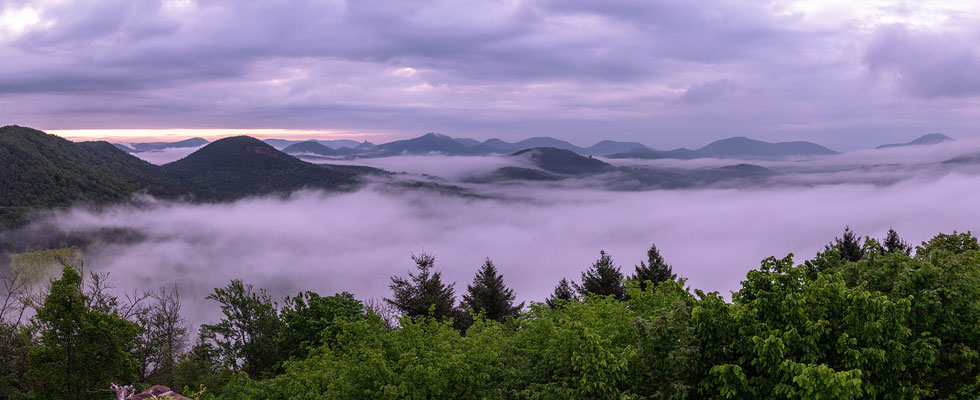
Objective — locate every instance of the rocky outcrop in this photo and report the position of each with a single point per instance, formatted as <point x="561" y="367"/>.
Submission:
<point x="156" y="392"/>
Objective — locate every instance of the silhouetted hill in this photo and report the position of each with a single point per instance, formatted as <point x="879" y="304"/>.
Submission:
<point x="562" y="161"/>
<point x="157" y="146"/>
<point x="924" y="140"/>
<point x="611" y="146"/>
<point x="651" y="154"/>
<point x="38" y="170"/>
<point x="310" y="147"/>
<point x="241" y="166"/>
<point x="541" y="141"/>
<point x="743" y="147"/>
<point x="428" y="143"/>
<point x="467" y="142"/>
<point x="365" y="145"/>
<point x="338" y="143"/>
<point x="281" y="143"/>
<point x="124" y="148"/>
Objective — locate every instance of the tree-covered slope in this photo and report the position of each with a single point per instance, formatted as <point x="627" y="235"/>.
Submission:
<point x="38" y="170"/>
<point x="562" y="161"/>
<point x="241" y="166"/>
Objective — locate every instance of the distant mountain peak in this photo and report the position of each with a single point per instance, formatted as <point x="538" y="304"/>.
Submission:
<point x="310" y="147"/>
<point x="743" y="147"/>
<point x="924" y="140"/>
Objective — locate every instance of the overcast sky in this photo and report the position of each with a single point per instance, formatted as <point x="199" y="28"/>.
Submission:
<point x="845" y="74"/>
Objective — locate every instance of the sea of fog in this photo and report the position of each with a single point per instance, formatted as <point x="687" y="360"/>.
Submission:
<point x="535" y="234"/>
<point x="356" y="241"/>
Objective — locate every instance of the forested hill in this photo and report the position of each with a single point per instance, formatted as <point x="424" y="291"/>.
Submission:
<point x="38" y="170"/>
<point x="240" y="166"/>
<point x="41" y="171"/>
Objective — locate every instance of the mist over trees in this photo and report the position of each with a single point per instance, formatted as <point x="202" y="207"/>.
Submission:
<point x="896" y="323"/>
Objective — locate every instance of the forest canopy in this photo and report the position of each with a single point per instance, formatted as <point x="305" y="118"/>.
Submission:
<point x="862" y="319"/>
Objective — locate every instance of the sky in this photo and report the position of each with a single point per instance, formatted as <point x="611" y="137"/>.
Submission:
<point x="671" y="73"/>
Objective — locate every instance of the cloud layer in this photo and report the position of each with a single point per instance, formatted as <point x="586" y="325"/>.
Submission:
<point x="356" y="241"/>
<point x="847" y="76"/>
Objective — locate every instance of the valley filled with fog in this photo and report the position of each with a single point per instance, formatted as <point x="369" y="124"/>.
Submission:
<point x="535" y="232"/>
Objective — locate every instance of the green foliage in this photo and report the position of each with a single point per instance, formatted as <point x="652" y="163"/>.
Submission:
<point x="36" y="267"/>
<point x="15" y="345"/>
<point x="888" y="326"/>
<point x="79" y="351"/>
<point x="602" y="279"/>
<point x="309" y="321"/>
<point x="942" y="283"/>
<point x="200" y="368"/>
<point x="423" y="294"/>
<point x="489" y="295"/>
<point x="798" y="334"/>
<point x="245" y="339"/>
<point x="955" y="243"/>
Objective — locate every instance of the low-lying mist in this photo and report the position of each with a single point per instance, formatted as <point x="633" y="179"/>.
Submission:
<point x="356" y="241"/>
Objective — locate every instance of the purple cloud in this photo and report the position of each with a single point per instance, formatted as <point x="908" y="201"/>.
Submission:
<point x="926" y="64"/>
<point x="583" y="70"/>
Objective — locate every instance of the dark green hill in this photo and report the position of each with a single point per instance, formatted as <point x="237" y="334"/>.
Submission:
<point x="506" y="174"/>
<point x="562" y="161"/>
<point x="242" y="166"/>
<point x="38" y="170"/>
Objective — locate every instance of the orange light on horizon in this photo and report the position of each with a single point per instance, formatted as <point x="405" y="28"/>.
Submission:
<point x="147" y="135"/>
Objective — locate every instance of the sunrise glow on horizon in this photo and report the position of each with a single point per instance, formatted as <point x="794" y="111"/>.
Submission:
<point x="147" y="135"/>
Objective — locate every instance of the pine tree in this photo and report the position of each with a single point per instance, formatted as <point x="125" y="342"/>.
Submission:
<point x="564" y="292"/>
<point x="416" y="294"/>
<point x="849" y="246"/>
<point x="894" y="243"/>
<point x="603" y="279"/>
<point x="489" y="294"/>
<point x="655" y="270"/>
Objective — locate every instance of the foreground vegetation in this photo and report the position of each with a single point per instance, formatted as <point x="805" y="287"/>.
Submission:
<point x="860" y="320"/>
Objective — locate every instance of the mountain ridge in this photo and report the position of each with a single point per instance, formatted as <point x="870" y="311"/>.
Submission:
<point x="924" y="140"/>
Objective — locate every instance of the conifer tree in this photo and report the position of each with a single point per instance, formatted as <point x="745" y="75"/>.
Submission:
<point x="564" y="292"/>
<point x="489" y="294"/>
<point x="894" y="243"/>
<point x="416" y="294"/>
<point x="655" y="270"/>
<point x="849" y="246"/>
<point x="603" y="278"/>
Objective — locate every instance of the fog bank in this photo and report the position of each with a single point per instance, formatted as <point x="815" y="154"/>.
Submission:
<point x="356" y="241"/>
